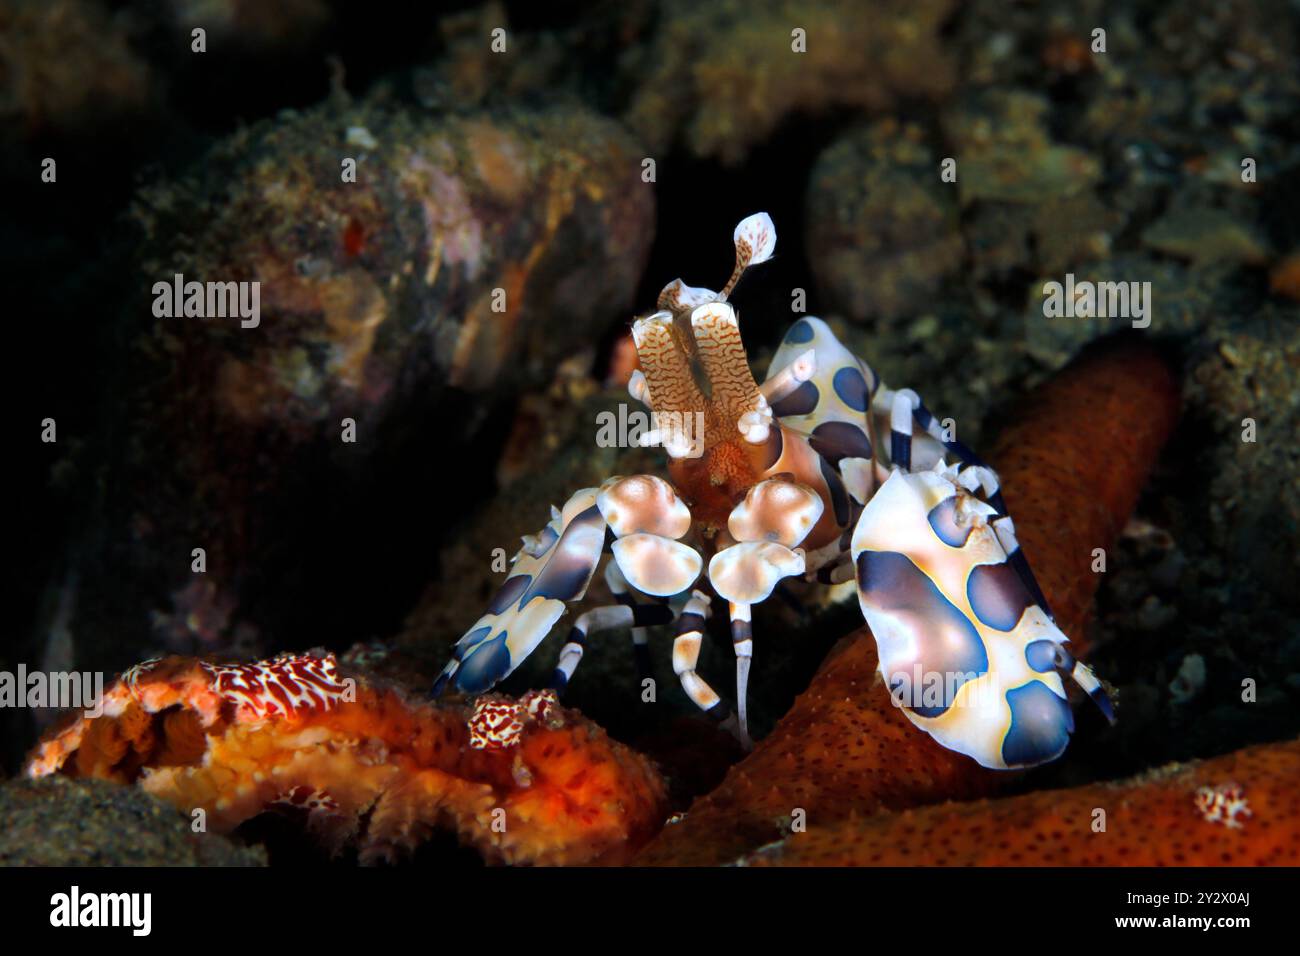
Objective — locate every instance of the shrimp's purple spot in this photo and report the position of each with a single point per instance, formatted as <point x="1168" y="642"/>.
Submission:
<point x="851" y="387"/>
<point x="839" y="494"/>
<point x="943" y="521"/>
<point x="802" y="401"/>
<point x="930" y="640"/>
<point x="837" y="440"/>
<point x="1041" y="724"/>
<point x="997" y="595"/>
<point x="571" y="563"/>
<point x="800" y="332"/>
<point x="509" y="593"/>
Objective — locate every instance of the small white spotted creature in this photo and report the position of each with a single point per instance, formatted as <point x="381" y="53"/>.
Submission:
<point x="1223" y="804"/>
<point x="791" y="479"/>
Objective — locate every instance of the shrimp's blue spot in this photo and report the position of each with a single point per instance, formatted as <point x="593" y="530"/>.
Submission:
<point x="1041" y="655"/>
<point x="1041" y="724"/>
<point x="851" y="387"/>
<point x="469" y="641"/>
<point x="484" y="665"/>
<point x="997" y="595"/>
<point x="802" y="401"/>
<point x="799" y="333"/>
<point x="943" y="521"/>
<point x="941" y="647"/>
<point x="509" y="593"/>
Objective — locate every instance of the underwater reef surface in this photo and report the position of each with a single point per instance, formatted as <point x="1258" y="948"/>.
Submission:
<point x="179" y="433"/>
<point x="882" y="238"/>
<point x="61" y="821"/>
<point x="697" y="80"/>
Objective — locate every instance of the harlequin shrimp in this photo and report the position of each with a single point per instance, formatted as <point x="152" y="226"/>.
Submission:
<point x="792" y="478"/>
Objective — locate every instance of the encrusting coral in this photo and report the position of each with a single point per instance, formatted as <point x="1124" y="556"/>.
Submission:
<point x="524" y="782"/>
<point x="844" y="749"/>
<point x="1196" y="814"/>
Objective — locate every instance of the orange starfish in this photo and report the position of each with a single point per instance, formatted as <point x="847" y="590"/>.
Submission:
<point x="1188" y="815"/>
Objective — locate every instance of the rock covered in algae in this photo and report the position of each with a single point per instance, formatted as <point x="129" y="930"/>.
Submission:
<point x="1218" y="557"/>
<point x="61" y="821"/>
<point x="1204" y="235"/>
<point x="68" y="67"/>
<point x="1007" y="154"/>
<point x="721" y="77"/>
<point x="883" y="230"/>
<point x="469" y="256"/>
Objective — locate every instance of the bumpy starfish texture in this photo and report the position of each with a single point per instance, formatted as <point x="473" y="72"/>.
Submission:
<point x="1184" y="815"/>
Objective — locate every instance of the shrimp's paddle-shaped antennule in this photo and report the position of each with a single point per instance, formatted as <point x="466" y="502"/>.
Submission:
<point x="709" y="413"/>
<point x="734" y="394"/>
<point x="668" y="385"/>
